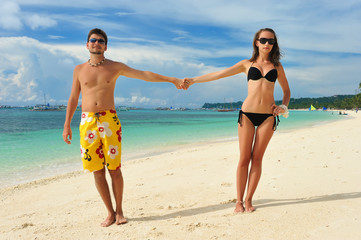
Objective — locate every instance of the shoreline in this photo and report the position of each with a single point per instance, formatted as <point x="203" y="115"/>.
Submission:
<point x="71" y="163"/>
<point x="65" y="170"/>
<point x="74" y="161"/>
<point x="309" y="189"/>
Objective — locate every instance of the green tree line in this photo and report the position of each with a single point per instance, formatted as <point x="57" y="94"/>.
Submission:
<point x="333" y="102"/>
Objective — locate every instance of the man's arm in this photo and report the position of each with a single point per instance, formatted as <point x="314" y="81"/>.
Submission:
<point x="72" y="105"/>
<point x="149" y="76"/>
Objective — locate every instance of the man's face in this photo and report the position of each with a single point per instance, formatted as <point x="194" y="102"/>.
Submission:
<point x="96" y="44"/>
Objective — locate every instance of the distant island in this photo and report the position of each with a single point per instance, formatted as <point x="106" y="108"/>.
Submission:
<point x="333" y="102"/>
<point x="235" y="105"/>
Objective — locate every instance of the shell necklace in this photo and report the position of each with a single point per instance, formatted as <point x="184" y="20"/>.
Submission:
<point x="97" y="64"/>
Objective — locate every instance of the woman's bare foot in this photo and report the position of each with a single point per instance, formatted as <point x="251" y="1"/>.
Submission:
<point x="108" y="221"/>
<point x="249" y="207"/>
<point x="239" y="207"/>
<point x="120" y="219"/>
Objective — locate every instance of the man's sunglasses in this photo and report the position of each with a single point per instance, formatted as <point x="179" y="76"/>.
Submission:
<point x="271" y="41"/>
<point x="94" y="40"/>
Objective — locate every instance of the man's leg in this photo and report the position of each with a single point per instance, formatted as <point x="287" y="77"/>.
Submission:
<point x="103" y="189"/>
<point x="118" y="187"/>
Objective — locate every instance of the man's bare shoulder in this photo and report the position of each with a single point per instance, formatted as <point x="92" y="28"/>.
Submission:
<point x="116" y="63"/>
<point x="80" y="66"/>
<point x="118" y="67"/>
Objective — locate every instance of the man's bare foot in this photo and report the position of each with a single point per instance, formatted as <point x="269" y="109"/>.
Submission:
<point x="120" y="219"/>
<point x="108" y="221"/>
<point x="248" y="207"/>
<point x="239" y="207"/>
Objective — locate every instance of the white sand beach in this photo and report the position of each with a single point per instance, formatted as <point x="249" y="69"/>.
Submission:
<point x="310" y="189"/>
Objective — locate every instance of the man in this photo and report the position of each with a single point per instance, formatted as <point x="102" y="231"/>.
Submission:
<point x="100" y="129"/>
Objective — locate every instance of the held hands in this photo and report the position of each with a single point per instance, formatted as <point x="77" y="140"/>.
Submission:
<point x="187" y="82"/>
<point x="178" y="83"/>
<point x="183" y="83"/>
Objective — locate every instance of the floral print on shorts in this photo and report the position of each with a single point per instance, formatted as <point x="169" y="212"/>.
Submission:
<point x="100" y="140"/>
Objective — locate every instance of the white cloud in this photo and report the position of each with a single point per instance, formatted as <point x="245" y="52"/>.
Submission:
<point x="317" y="36"/>
<point x="10" y="17"/>
<point x="122" y="14"/>
<point x="29" y="69"/>
<point x="55" y="37"/>
<point x="301" y="24"/>
<point x="35" y="22"/>
<point x="13" y="87"/>
<point x="138" y="100"/>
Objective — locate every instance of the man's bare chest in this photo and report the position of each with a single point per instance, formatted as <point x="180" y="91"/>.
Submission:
<point x="93" y="79"/>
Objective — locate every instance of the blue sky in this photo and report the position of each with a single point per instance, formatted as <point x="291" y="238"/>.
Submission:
<point x="42" y="41"/>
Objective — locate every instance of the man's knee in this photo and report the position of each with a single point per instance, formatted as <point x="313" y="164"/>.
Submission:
<point x="99" y="173"/>
<point x="115" y="173"/>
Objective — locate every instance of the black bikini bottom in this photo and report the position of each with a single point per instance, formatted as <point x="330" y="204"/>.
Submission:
<point x="258" y="118"/>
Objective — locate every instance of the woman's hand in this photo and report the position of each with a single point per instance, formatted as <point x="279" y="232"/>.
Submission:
<point x="187" y="82"/>
<point x="280" y="110"/>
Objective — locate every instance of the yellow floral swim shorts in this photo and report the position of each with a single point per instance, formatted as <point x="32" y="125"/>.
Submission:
<point x="100" y="140"/>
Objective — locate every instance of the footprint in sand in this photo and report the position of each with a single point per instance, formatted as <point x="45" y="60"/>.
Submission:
<point x="155" y="233"/>
<point x="191" y="227"/>
<point x="25" y="225"/>
<point x="230" y="201"/>
<point x="226" y="184"/>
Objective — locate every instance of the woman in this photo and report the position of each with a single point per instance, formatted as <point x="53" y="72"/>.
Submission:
<point x="257" y="119"/>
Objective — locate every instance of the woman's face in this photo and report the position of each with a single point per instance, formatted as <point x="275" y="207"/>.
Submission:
<point x="264" y="40"/>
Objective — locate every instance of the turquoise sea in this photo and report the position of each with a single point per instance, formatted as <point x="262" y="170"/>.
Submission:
<point x="31" y="145"/>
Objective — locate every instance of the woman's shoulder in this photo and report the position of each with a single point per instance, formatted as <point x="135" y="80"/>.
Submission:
<point x="279" y="66"/>
<point x="245" y="63"/>
<point x="241" y="66"/>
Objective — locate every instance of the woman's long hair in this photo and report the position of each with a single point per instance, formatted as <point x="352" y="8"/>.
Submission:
<point x="275" y="54"/>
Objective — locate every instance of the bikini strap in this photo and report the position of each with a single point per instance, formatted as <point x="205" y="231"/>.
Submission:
<point x="240" y="117"/>
<point x="276" y="122"/>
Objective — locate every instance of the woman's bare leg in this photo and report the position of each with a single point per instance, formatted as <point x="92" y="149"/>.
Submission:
<point x="264" y="134"/>
<point x="245" y="138"/>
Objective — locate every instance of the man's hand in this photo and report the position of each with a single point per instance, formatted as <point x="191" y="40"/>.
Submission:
<point x="179" y="84"/>
<point x="187" y="82"/>
<point x="67" y="133"/>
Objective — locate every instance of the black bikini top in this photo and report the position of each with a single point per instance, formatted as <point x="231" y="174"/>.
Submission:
<point x="255" y="74"/>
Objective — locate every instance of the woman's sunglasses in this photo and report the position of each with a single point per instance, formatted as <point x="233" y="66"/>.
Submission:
<point x="271" y="41"/>
<point x="94" y="40"/>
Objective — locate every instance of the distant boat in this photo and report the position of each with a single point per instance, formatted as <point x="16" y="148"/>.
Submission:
<point x="122" y="108"/>
<point x="226" y="110"/>
<point x="47" y="107"/>
<point x="312" y="108"/>
<point x="40" y="107"/>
